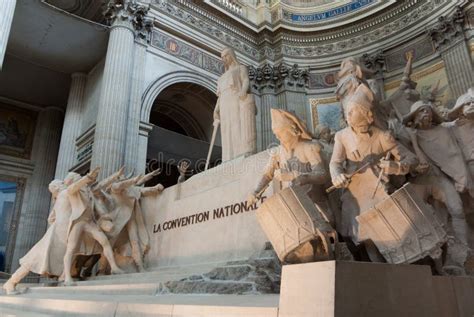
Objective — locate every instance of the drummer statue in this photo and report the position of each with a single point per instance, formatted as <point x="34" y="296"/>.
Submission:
<point x="363" y="158"/>
<point x="297" y="162"/>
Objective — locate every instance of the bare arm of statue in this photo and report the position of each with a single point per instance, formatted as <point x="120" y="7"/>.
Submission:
<point x="148" y="191"/>
<point x="84" y="181"/>
<point x="123" y="185"/>
<point x="266" y="178"/>
<point x="109" y="180"/>
<point x="149" y="176"/>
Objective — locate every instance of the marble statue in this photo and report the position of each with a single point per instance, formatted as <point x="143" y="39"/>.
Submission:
<point x="235" y="109"/>
<point x="463" y="129"/>
<point x="127" y="218"/>
<point x="351" y="75"/>
<point x="46" y="256"/>
<point x="297" y="163"/>
<point x="363" y="157"/>
<point x="440" y="159"/>
<point x="82" y="227"/>
<point x="182" y="169"/>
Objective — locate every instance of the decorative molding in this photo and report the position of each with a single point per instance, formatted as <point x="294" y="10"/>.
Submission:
<point x="322" y="80"/>
<point x="186" y="52"/>
<point x="274" y="77"/>
<point x="329" y="14"/>
<point x="397" y="58"/>
<point x="448" y="31"/>
<point x="416" y="76"/>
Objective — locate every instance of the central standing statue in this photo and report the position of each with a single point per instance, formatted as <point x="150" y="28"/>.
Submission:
<point x="235" y="109"/>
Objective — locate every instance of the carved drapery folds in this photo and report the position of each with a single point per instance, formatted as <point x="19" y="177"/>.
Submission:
<point x="448" y="31"/>
<point x="129" y="12"/>
<point x="277" y="76"/>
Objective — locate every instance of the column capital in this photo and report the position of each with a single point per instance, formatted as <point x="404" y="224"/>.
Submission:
<point x="129" y="14"/>
<point x="448" y="30"/>
<point x="375" y="62"/>
<point x="271" y="77"/>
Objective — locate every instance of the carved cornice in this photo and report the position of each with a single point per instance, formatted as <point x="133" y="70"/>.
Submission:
<point x="118" y="12"/>
<point x="448" y="31"/>
<point x="274" y="77"/>
<point x="272" y="46"/>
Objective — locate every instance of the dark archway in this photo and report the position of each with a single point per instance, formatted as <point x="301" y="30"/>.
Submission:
<point x="182" y="115"/>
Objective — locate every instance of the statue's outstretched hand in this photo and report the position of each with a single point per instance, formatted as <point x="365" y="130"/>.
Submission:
<point x="252" y="199"/>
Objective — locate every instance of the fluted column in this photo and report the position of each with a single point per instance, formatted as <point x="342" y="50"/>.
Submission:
<point x="111" y="126"/>
<point x="133" y="122"/>
<point x="7" y="9"/>
<point x="71" y="126"/>
<point x="449" y="40"/>
<point x="37" y="198"/>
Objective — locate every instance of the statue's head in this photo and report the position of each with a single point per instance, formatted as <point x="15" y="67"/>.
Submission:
<point x="359" y="109"/>
<point x="71" y="177"/>
<point x="228" y="57"/>
<point x="464" y="106"/>
<point x="422" y="115"/>
<point x="323" y="132"/>
<point x="56" y="186"/>
<point x="287" y="127"/>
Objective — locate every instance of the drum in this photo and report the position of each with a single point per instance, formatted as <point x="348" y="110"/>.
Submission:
<point x="403" y="227"/>
<point x="293" y="224"/>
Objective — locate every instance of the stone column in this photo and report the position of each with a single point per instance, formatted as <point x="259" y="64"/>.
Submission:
<point x="37" y="198"/>
<point x="7" y="9"/>
<point x="448" y="39"/>
<point x="133" y="122"/>
<point x="376" y="63"/>
<point x="71" y="126"/>
<point x="279" y="87"/>
<point x="142" y="147"/>
<point x="111" y="126"/>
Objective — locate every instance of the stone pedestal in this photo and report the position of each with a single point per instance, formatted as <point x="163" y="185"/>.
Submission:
<point x="71" y="126"/>
<point x="7" y="8"/>
<point x="339" y="289"/>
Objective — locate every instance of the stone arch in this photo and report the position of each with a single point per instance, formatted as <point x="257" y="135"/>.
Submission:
<point x="157" y="86"/>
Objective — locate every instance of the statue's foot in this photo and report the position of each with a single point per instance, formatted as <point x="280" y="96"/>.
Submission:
<point x="69" y="282"/>
<point x="9" y="289"/>
<point x="453" y="270"/>
<point x="117" y="271"/>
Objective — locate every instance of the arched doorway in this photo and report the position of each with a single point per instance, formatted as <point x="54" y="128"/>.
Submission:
<point x="182" y="117"/>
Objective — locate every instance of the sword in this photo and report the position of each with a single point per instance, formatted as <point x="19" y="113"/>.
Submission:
<point x="213" y="139"/>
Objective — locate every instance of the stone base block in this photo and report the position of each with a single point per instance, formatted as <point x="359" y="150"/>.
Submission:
<point x="336" y="289"/>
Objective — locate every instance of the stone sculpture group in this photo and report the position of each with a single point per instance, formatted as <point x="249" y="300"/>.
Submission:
<point x="403" y="175"/>
<point x="90" y="218"/>
<point x="395" y="185"/>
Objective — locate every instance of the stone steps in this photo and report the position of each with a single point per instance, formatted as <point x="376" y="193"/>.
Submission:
<point x="39" y="303"/>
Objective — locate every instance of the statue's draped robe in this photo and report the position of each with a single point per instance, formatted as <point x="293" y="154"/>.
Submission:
<point x="46" y="256"/>
<point x="237" y="117"/>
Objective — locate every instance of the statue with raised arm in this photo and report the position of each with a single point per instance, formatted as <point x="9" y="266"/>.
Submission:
<point x="235" y="109"/>
<point x="127" y="218"/>
<point x="83" y="228"/>
<point x="46" y="256"/>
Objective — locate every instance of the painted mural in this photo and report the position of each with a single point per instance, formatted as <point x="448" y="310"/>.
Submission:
<point x="17" y="127"/>
<point x="326" y="111"/>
